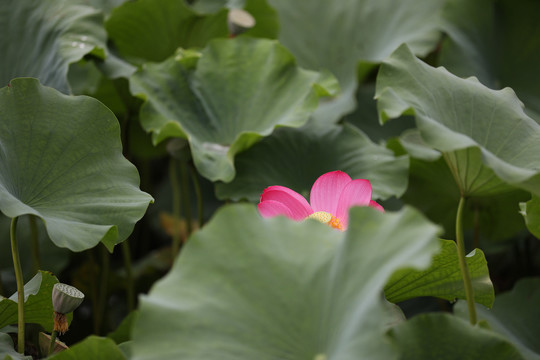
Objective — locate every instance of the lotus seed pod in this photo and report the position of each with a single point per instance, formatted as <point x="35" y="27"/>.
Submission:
<point x="239" y="21"/>
<point x="66" y="298"/>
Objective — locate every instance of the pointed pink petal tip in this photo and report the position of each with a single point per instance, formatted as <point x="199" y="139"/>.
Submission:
<point x="297" y="206"/>
<point x="373" y="204"/>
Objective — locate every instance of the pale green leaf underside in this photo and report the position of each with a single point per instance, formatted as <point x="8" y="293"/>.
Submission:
<point x="275" y="288"/>
<point x="484" y="214"/>
<point x="485" y="130"/>
<point x="443" y="278"/>
<point x="515" y="316"/>
<point x="61" y="160"/>
<point x="443" y="336"/>
<point x="40" y="38"/>
<point x="240" y="90"/>
<point x="295" y="158"/>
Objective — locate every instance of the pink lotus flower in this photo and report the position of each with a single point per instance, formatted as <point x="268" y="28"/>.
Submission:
<point x="331" y="197"/>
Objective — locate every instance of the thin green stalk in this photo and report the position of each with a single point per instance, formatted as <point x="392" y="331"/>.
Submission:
<point x="173" y="177"/>
<point x="130" y="290"/>
<point x="20" y="283"/>
<point x="184" y="183"/>
<point x="103" y="287"/>
<point x="36" y="265"/>
<point x="198" y="193"/>
<point x="53" y="342"/>
<point x="469" y="293"/>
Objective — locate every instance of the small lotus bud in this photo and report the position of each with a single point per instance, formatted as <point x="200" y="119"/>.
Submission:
<point x="239" y="21"/>
<point x="66" y="298"/>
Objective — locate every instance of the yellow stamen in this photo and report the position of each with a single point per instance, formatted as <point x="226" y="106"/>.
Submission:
<point x="327" y="218"/>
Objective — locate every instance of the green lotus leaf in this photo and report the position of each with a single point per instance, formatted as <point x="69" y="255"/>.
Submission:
<point x="276" y="288"/>
<point x="91" y="348"/>
<point x="495" y="41"/>
<point x="226" y="104"/>
<point x="443" y="336"/>
<point x="40" y="38"/>
<point x="337" y="35"/>
<point x="143" y="31"/>
<point x="443" y="278"/>
<point x="297" y="157"/>
<point x="490" y="144"/>
<point x="514" y="316"/>
<point x="7" y="350"/>
<point x="61" y="160"/>
<point x="38" y="306"/>
<point x="531" y="212"/>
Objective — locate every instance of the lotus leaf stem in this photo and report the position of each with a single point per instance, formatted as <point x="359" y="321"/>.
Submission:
<point x="20" y="283"/>
<point x="53" y="342"/>
<point x="469" y="293"/>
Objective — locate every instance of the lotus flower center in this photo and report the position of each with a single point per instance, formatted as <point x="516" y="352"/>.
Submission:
<point x="327" y="218"/>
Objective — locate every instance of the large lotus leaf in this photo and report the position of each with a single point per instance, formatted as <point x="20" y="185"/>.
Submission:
<point x="152" y="30"/>
<point x="443" y="336"/>
<point x="297" y="157"/>
<point x="7" y="350"/>
<point x="61" y="160"/>
<point x="38" y="307"/>
<point x="531" y="212"/>
<point x="227" y="103"/>
<point x="40" y="38"/>
<point x="336" y="35"/>
<point x="484" y="133"/>
<point x="515" y="316"/>
<point x="91" y="348"/>
<point x="443" y="278"/>
<point x="496" y="41"/>
<point x="275" y="288"/>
